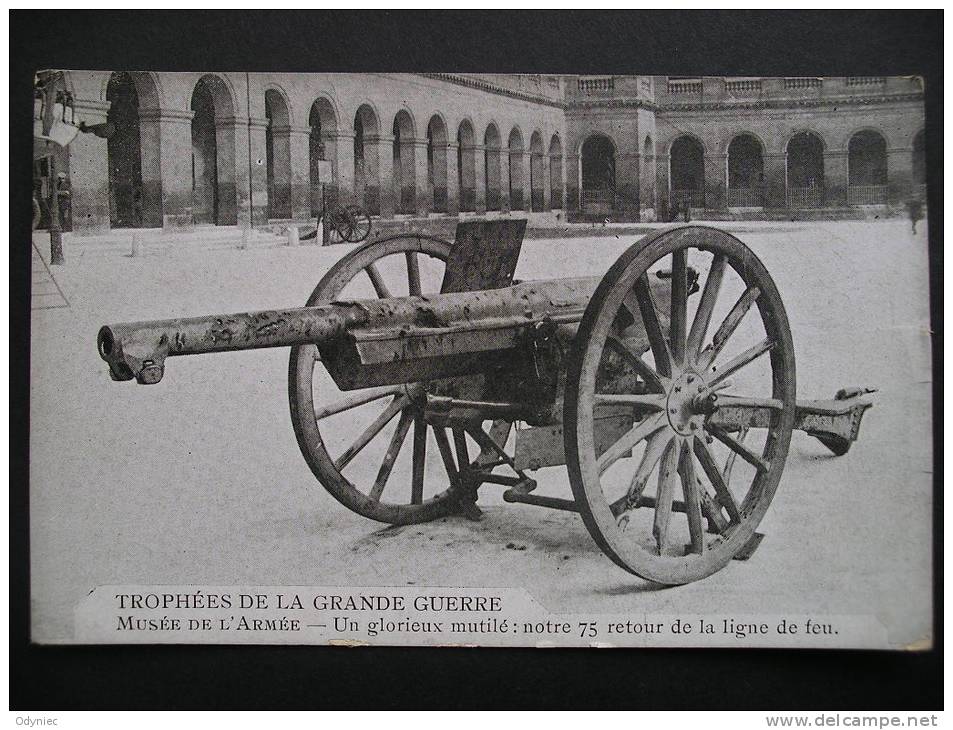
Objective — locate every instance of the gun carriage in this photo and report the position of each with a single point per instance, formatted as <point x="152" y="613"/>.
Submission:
<point x="667" y="387"/>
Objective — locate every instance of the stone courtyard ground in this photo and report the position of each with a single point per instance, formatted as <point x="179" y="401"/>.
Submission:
<point x="199" y="479"/>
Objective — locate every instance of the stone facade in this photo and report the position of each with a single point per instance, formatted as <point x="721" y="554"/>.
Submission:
<point x="229" y="148"/>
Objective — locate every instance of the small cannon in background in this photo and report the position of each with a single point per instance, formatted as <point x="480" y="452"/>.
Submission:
<point x="609" y="376"/>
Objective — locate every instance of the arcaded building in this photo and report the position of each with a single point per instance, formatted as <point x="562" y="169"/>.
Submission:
<point x="226" y="149"/>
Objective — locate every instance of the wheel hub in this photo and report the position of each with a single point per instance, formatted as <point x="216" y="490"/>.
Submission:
<point x="681" y="406"/>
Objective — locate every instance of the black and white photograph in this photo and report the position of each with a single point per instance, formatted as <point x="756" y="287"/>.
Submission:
<point x="558" y="344"/>
<point x="452" y="358"/>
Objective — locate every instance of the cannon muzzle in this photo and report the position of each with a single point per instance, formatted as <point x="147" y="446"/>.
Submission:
<point x="139" y="349"/>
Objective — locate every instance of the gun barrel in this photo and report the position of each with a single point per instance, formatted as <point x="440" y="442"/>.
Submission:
<point x="438" y="325"/>
<point x="138" y="349"/>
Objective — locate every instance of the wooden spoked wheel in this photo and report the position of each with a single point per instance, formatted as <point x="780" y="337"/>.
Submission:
<point x="354" y="441"/>
<point x="712" y="483"/>
<point x="359" y="223"/>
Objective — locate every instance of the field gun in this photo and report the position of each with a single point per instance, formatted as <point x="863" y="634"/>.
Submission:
<point x="615" y="377"/>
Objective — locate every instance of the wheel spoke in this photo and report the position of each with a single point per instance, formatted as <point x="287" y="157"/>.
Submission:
<point x="413" y="273"/>
<point x="371" y="431"/>
<point x="730" y="461"/>
<point x="745" y="358"/>
<point x="647" y="373"/>
<point x="712" y="510"/>
<point x="668" y="474"/>
<point x="379" y="286"/>
<point x="693" y="507"/>
<point x="443" y="444"/>
<point x="356" y="399"/>
<point x="653" y="452"/>
<point x="396" y="442"/>
<point x="653" y="329"/>
<point x="642" y="430"/>
<point x="729" y="325"/>
<point x="419" y="459"/>
<point x="739" y="448"/>
<point x="653" y="402"/>
<point x="706" y="306"/>
<point x="707" y="461"/>
<point x="679" y="305"/>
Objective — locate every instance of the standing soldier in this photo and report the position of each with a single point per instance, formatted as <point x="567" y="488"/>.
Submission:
<point x="915" y="211"/>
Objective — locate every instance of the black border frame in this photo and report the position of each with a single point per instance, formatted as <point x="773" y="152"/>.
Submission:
<point x="662" y="42"/>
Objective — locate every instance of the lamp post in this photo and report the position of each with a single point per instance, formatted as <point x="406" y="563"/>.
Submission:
<point x="56" y="231"/>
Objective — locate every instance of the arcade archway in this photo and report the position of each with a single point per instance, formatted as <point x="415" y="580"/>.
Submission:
<point x="213" y="153"/>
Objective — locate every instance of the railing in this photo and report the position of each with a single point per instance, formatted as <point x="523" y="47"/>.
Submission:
<point x="866" y="194"/>
<point x="556" y="199"/>
<point x="493" y="199"/>
<point x="866" y="80"/>
<point x="745" y="197"/>
<point x="743" y="86"/>
<point x="803" y="82"/>
<point x="516" y="199"/>
<point x="596" y="86"/>
<point x="805" y="197"/>
<point x="685" y="87"/>
<point x="688" y="198"/>
<point x="598" y="201"/>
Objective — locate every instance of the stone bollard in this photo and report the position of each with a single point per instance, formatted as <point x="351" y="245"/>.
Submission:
<point x="293" y="239"/>
<point x="319" y="234"/>
<point x="136" y="246"/>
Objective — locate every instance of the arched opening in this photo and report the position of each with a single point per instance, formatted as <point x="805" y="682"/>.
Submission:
<point x="867" y="169"/>
<point x="598" y="175"/>
<point x="466" y="167"/>
<point x="278" y="155"/>
<point x="920" y="166"/>
<point x="403" y="157"/>
<point x="124" y="153"/>
<point x="322" y="155"/>
<point x="517" y="173"/>
<point x="213" y="153"/>
<point x="494" y="181"/>
<point x="647" y="170"/>
<point x="687" y="174"/>
<point x="536" y="171"/>
<point x="437" y="162"/>
<point x="555" y="173"/>
<point x="745" y="172"/>
<point x="804" y="165"/>
<point x="135" y="183"/>
<point x="366" y="169"/>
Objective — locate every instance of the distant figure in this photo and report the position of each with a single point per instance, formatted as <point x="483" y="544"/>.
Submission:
<point x="915" y="211"/>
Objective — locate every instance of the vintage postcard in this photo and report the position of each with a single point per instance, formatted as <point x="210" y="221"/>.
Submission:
<point x="480" y="359"/>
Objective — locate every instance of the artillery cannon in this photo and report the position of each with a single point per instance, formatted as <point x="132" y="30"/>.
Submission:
<point x="615" y="377"/>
